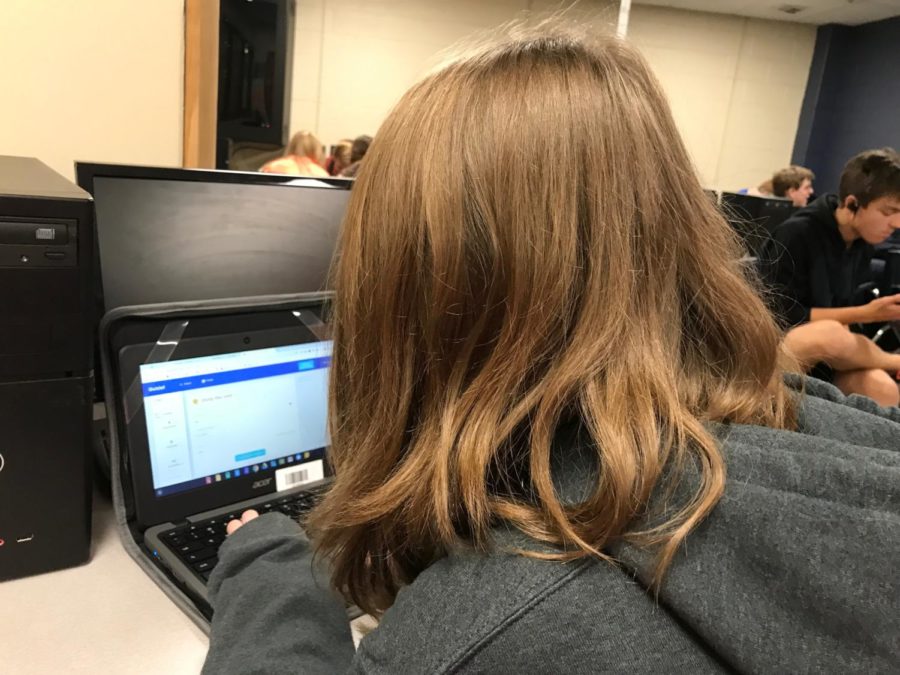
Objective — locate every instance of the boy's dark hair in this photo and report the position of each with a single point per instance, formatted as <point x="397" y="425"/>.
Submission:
<point x="870" y="175"/>
<point x="359" y="148"/>
<point x="790" y="178"/>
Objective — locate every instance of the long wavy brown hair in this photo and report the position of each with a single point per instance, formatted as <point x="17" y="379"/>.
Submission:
<point x="542" y="252"/>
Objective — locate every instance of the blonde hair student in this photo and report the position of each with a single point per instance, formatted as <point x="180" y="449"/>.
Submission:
<point x="303" y="156"/>
<point x="564" y="434"/>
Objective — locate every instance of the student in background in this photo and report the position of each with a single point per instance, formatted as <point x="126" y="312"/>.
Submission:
<point x="794" y="183"/>
<point x="816" y="261"/>
<point x="764" y="189"/>
<point x="340" y="157"/>
<point x="541" y="370"/>
<point x="302" y="157"/>
<point x="359" y="150"/>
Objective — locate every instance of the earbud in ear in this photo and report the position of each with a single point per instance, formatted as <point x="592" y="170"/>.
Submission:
<point x="853" y="205"/>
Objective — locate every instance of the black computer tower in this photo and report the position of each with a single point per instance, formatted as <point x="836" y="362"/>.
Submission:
<point x="46" y="377"/>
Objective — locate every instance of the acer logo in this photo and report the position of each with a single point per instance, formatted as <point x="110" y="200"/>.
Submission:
<point x="257" y="484"/>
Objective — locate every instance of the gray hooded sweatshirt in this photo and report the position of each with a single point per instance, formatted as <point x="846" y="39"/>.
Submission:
<point x="795" y="571"/>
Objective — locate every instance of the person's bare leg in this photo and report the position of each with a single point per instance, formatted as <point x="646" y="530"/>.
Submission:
<point x="832" y="343"/>
<point x="876" y="384"/>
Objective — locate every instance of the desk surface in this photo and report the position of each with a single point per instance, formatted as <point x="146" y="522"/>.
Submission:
<point x="105" y="616"/>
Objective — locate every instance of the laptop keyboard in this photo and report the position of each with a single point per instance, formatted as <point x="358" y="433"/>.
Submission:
<point x="197" y="544"/>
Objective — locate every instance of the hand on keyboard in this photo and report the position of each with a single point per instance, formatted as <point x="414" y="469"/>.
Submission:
<point x="246" y="517"/>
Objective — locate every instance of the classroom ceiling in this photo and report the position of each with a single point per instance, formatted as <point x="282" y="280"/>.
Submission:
<point x="850" y="12"/>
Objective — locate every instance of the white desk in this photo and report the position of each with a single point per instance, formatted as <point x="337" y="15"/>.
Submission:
<point x="106" y="616"/>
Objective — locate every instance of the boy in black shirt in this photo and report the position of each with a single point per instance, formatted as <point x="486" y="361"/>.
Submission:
<point x="817" y="260"/>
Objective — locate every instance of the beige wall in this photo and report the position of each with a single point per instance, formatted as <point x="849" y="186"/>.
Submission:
<point x="354" y="58"/>
<point x="102" y="80"/>
<point x="736" y="86"/>
<point x="96" y="80"/>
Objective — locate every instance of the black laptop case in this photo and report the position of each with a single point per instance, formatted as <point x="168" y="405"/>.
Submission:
<point x="166" y="325"/>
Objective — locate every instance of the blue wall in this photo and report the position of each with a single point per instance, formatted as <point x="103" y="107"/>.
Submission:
<point x="852" y="100"/>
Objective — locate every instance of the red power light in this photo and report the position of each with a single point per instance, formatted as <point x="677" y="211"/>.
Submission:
<point x="2" y="542"/>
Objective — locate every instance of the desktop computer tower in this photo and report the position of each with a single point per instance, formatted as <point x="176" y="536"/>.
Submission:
<point x="46" y="376"/>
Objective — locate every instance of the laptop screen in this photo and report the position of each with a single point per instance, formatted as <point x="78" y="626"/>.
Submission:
<point x="215" y="418"/>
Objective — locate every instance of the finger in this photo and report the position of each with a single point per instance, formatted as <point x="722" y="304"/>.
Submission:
<point x="249" y="515"/>
<point x="232" y="526"/>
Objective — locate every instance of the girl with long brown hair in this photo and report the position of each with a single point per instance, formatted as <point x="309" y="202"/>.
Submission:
<point x="546" y="356"/>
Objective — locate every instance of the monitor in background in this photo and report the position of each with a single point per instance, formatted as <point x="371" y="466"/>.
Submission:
<point x="774" y="211"/>
<point x="171" y="235"/>
<point x="755" y="218"/>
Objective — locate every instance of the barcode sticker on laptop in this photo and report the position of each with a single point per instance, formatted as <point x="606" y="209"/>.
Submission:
<point x="292" y="476"/>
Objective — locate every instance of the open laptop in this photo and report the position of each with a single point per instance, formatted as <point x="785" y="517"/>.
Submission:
<point x="229" y="416"/>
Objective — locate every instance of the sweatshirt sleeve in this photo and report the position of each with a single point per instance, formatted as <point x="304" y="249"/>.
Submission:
<point x="273" y="610"/>
<point x="785" y="268"/>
